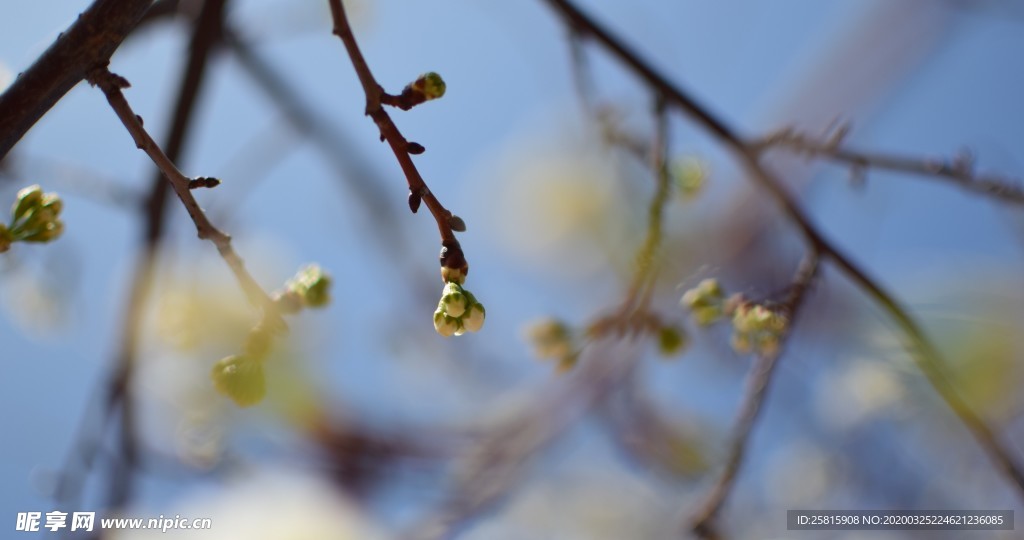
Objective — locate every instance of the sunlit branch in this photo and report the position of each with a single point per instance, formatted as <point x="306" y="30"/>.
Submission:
<point x="403" y="149"/>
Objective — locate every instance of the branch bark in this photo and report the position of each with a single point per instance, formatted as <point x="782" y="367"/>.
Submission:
<point x="86" y="45"/>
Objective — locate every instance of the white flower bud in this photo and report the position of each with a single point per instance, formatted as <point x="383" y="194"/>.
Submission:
<point x="445" y="325"/>
<point x="454" y="300"/>
<point x="474" y="318"/>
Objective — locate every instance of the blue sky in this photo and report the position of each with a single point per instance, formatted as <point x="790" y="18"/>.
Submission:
<point x="924" y="78"/>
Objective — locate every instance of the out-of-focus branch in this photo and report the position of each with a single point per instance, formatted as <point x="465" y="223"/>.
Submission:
<point x="756" y="392"/>
<point x="959" y="171"/>
<point x="86" y="45"/>
<point x="494" y="464"/>
<point x="925" y="354"/>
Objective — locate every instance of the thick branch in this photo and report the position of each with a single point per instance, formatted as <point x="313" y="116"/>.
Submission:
<point x="86" y="45"/>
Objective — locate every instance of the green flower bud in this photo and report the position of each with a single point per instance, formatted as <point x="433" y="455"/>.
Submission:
<point x="312" y="285"/>
<point x="453" y="300"/>
<point x="28" y="200"/>
<point x="431" y="85"/>
<point x="241" y="379"/>
<point x="445" y="325"/>
<point x="705" y="301"/>
<point x="47" y="232"/>
<point x="671" y="340"/>
<point x="52" y="202"/>
<point x="36" y="216"/>
<point x="474" y="318"/>
<point x="758" y="328"/>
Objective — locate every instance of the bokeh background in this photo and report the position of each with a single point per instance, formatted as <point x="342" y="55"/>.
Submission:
<point x="371" y="414"/>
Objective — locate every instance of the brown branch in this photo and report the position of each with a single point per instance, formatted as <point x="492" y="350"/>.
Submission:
<point x="111" y="85"/>
<point x="758" y="380"/>
<point x="925" y="354"/>
<point x="86" y="45"/>
<point x="402" y="148"/>
<point x="959" y="172"/>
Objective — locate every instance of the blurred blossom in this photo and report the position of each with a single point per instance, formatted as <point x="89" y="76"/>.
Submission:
<point x="558" y="209"/>
<point x="267" y="506"/>
<point x="194" y="315"/>
<point x="857" y="393"/>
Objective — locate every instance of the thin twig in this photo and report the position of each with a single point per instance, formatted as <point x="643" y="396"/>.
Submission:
<point x="925" y="354"/>
<point x="758" y="380"/>
<point x="959" y="172"/>
<point x="389" y="132"/>
<point x="111" y="85"/>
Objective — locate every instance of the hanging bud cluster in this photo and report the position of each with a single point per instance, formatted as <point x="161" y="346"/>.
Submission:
<point x="757" y="329"/>
<point x="240" y="376"/>
<point x="706" y="302"/>
<point x="458" y="311"/>
<point x="35" y="217"/>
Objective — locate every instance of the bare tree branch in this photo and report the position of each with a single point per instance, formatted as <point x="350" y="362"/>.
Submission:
<point x="86" y="45"/>
<point x="375" y="97"/>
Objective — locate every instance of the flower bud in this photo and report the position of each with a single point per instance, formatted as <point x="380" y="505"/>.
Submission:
<point x="453" y="300"/>
<point x="36" y="216"/>
<point x="445" y="325"/>
<point x="45" y="233"/>
<point x="312" y="285"/>
<point x="431" y="85"/>
<point x="28" y="200"/>
<point x="241" y="379"/>
<point x="671" y="340"/>
<point x="474" y="318"/>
